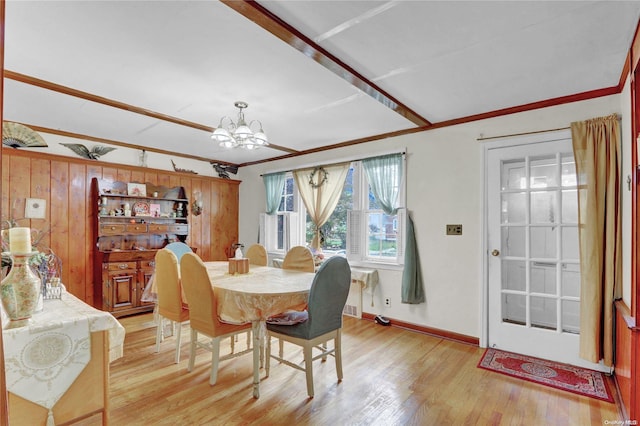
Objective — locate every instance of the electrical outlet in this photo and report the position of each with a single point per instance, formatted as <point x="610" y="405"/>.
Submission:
<point x="387" y="302"/>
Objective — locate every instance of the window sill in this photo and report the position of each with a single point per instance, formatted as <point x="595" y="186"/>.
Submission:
<point x="377" y="265"/>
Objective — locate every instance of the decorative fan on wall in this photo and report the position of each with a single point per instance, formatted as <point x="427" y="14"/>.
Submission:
<point x="18" y="135"/>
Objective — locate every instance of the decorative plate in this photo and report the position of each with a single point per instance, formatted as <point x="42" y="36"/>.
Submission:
<point x="141" y="208"/>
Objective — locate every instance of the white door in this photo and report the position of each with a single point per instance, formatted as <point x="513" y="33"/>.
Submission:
<point x="533" y="260"/>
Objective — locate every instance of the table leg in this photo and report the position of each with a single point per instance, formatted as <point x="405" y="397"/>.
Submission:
<point x="256" y="328"/>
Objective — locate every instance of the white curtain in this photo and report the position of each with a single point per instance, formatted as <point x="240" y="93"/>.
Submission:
<point x="320" y="189"/>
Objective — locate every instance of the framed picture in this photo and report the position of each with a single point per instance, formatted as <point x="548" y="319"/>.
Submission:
<point x="34" y="208"/>
<point x="138" y="189"/>
<point x="154" y="209"/>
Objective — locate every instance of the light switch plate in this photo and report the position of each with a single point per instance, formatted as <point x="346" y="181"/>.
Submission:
<point x="454" y="229"/>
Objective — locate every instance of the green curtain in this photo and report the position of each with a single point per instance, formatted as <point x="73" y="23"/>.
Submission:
<point x="412" y="286"/>
<point x="385" y="174"/>
<point x="274" y="185"/>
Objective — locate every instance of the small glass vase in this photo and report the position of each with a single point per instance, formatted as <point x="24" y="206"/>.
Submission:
<point x="20" y="291"/>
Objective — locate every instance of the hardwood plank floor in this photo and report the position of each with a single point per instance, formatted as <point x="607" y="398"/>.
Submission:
<point x="391" y="377"/>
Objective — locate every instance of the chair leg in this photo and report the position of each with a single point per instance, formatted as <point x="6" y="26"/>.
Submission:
<point x="308" y="368"/>
<point x="178" y="337"/>
<point x="192" y="349"/>
<point x="280" y="348"/>
<point x="338" y="354"/>
<point x="267" y="355"/>
<point x="215" y="359"/>
<point x="233" y="344"/>
<point x="324" y="351"/>
<point x="158" y="333"/>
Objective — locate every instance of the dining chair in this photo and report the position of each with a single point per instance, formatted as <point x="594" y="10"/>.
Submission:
<point x="257" y="255"/>
<point x="299" y="258"/>
<point x="321" y="322"/>
<point x="178" y="248"/>
<point x="203" y="313"/>
<point x="169" y="293"/>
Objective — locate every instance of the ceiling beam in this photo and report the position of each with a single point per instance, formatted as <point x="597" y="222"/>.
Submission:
<point x="285" y="32"/>
<point x="117" y="104"/>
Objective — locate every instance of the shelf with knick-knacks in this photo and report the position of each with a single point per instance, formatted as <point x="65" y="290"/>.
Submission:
<point x="133" y="221"/>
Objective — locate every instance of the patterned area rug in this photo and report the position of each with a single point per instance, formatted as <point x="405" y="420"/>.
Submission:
<point x="560" y="376"/>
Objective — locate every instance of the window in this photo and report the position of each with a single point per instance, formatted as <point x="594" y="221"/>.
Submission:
<point x="373" y="235"/>
<point x="358" y="228"/>
<point x="280" y="232"/>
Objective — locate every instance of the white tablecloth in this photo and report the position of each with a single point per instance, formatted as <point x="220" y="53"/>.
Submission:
<point x="43" y="358"/>
<point x="261" y="293"/>
<point x="368" y="279"/>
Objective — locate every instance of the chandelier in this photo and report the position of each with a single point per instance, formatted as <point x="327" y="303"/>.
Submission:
<point x="239" y="134"/>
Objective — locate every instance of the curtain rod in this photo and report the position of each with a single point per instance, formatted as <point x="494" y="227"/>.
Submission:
<point x="481" y="138"/>
<point x="349" y="160"/>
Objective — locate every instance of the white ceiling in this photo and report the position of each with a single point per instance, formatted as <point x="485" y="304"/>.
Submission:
<point x="191" y="60"/>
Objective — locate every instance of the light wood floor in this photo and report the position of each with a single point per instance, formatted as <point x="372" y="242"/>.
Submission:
<point x="391" y="377"/>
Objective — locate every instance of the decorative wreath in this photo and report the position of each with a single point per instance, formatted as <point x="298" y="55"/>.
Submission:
<point x="323" y="176"/>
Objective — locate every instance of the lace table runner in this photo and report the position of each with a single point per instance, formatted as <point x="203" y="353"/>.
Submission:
<point x="43" y="360"/>
<point x="44" y="357"/>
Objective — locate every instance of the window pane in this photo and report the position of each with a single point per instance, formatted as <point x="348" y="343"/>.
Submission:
<point x="513" y="175"/>
<point x="513" y="241"/>
<point x="568" y="170"/>
<point x="543" y="207"/>
<point x="286" y="202"/>
<point x="514" y="208"/>
<point x="571" y="279"/>
<point x="570" y="241"/>
<point x="514" y="308"/>
<point x="570" y="206"/>
<point x="543" y="242"/>
<point x="543" y="312"/>
<point x="383" y="235"/>
<point x="544" y="172"/>
<point x="513" y="275"/>
<point x="571" y="316"/>
<point x="543" y="277"/>
<point x="280" y="235"/>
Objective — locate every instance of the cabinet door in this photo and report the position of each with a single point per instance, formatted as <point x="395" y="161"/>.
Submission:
<point x="121" y="290"/>
<point x="144" y="275"/>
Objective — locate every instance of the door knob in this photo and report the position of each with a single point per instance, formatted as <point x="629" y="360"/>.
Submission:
<point x="495" y="252"/>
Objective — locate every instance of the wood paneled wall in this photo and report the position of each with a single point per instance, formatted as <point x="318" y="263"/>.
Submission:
<point x="624" y="325"/>
<point x="65" y="184"/>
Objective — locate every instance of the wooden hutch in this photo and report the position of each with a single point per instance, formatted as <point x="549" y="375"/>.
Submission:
<point x="132" y="221"/>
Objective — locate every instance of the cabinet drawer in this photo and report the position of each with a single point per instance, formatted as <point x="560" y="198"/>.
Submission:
<point x="158" y="227"/>
<point x="112" y="228"/>
<point x="179" y="229"/>
<point x="147" y="264"/>
<point x="136" y="228"/>
<point x="119" y="266"/>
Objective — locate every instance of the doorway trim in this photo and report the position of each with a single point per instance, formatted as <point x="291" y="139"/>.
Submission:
<point x="507" y="141"/>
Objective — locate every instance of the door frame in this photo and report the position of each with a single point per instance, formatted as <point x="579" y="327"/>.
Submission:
<point x="500" y="142"/>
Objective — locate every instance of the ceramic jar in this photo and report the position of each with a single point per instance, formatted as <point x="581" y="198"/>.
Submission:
<point x="20" y="291"/>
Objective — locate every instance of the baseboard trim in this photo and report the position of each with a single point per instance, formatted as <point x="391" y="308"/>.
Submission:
<point x="462" y="338"/>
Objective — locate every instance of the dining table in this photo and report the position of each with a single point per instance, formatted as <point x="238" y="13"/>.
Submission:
<point x="254" y="297"/>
